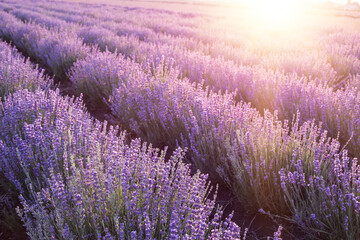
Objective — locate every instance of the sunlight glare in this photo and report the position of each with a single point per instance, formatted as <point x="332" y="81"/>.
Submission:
<point x="275" y="14"/>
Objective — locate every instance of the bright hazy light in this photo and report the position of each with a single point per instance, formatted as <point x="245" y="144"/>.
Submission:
<point x="278" y="14"/>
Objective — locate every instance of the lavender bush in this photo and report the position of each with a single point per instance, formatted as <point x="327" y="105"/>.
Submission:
<point x="326" y="198"/>
<point x="29" y="16"/>
<point x="25" y="113"/>
<point x="99" y="73"/>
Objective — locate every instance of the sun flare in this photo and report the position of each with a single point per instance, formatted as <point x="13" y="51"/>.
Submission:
<point x="275" y="13"/>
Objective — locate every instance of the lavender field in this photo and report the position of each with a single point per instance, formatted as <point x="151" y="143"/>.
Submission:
<point x="179" y="120"/>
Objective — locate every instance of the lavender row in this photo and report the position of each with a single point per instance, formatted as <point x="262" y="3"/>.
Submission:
<point x="16" y="72"/>
<point x="126" y="20"/>
<point x="149" y="20"/>
<point x="46" y="47"/>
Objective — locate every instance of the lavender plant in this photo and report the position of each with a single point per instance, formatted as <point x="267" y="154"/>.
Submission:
<point x="100" y="37"/>
<point x="22" y="115"/>
<point x="325" y="200"/>
<point x="30" y="16"/>
<point x="60" y="55"/>
<point x="99" y="73"/>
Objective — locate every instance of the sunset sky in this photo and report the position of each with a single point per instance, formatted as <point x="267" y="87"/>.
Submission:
<point x="341" y="1"/>
<point x="336" y="1"/>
